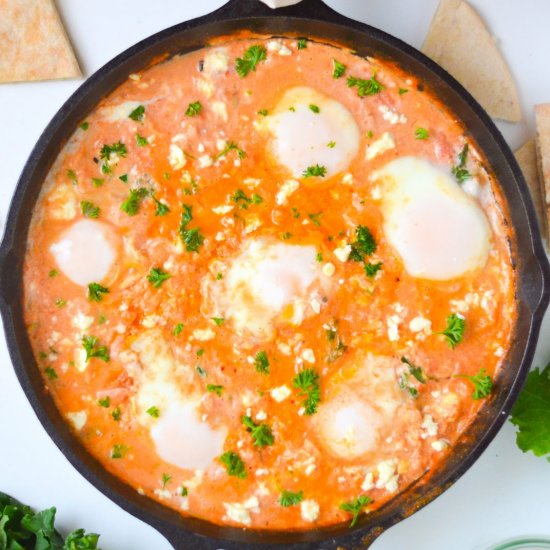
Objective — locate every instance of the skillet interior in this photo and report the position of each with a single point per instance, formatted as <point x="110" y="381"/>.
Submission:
<point x="313" y="19"/>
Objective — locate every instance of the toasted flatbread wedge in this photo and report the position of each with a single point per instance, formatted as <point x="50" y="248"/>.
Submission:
<point x="526" y="156"/>
<point x="460" y="42"/>
<point x="34" y="45"/>
<point x="542" y="119"/>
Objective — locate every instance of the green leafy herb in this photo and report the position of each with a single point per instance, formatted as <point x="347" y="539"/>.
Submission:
<point x="219" y="276"/>
<point x="250" y="59"/>
<point x="162" y="209"/>
<point x="314" y="108"/>
<point x="531" y="413"/>
<point x="216" y="388"/>
<point x="218" y="320"/>
<point x="234" y="464"/>
<point x="123" y="178"/>
<point x="98" y="182"/>
<point x="153" y="411"/>
<point x="315" y="218"/>
<point x="415" y="370"/>
<point x="261" y="433"/>
<point x="119" y="451"/>
<point x="53" y="273"/>
<point x="319" y="257"/>
<point x="243" y="200"/>
<point x="355" y="507"/>
<point x="157" y="276"/>
<point x="141" y="140"/>
<point x="105" y="402"/>
<point x="93" y="349"/>
<point x="85" y="125"/>
<point x="71" y="174"/>
<point x="95" y="291"/>
<point x="286" y="235"/>
<point x="421" y="133"/>
<point x="202" y="373"/>
<point x="331" y="144"/>
<point x="483" y="384"/>
<point x="365" y="245"/>
<point x="194" y="108"/>
<point x="370" y="86"/>
<point x="301" y="43"/>
<point x="60" y="302"/>
<point x="295" y="213"/>
<point x="307" y="381"/>
<point x="262" y="112"/>
<point x="108" y="151"/>
<point x="50" y="373"/>
<point x="314" y="171"/>
<point x="261" y="362"/>
<point x="231" y="145"/>
<point x="460" y="171"/>
<point x="89" y="209"/>
<point x="137" y="114"/>
<point x="116" y="414"/>
<point x="455" y="329"/>
<point x="177" y="329"/>
<point x="403" y="91"/>
<point x="200" y="352"/>
<point x="166" y="478"/>
<point x="337" y="347"/>
<point x="132" y="203"/>
<point x="184" y="491"/>
<point x="372" y="269"/>
<point x="338" y="69"/>
<point x="288" y="498"/>
<point x="192" y="238"/>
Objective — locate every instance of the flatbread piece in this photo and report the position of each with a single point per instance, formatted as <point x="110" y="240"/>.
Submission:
<point x="34" y="45"/>
<point x="459" y="41"/>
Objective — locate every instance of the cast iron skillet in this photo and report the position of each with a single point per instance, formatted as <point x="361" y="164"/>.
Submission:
<point x="313" y="19"/>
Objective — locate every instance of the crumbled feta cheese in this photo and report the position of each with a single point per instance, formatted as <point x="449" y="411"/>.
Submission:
<point x="439" y="445"/>
<point x="368" y="482"/>
<point x="278" y="47"/>
<point x="223" y="209"/>
<point x="381" y="145"/>
<point x="343" y="252"/>
<point x="82" y="322"/>
<point x="184" y="503"/>
<point x="308" y="355"/>
<point x="163" y="493"/>
<point x="286" y="189"/>
<point x="78" y="419"/>
<point x="393" y="117"/>
<point x="200" y="148"/>
<point x="205" y="86"/>
<point x="150" y="321"/>
<point x="499" y="352"/>
<point x="328" y="269"/>
<point x="220" y="236"/>
<point x="176" y="157"/>
<point x="240" y="513"/>
<point x="217" y="61"/>
<point x="430" y="427"/>
<point x="134" y="76"/>
<point x="261" y="415"/>
<point x="315" y="305"/>
<point x="80" y="360"/>
<point x="284" y="348"/>
<point x="205" y="161"/>
<point x="347" y="179"/>
<point x="262" y="472"/>
<point x="393" y="322"/>
<point x="203" y="334"/>
<point x="251" y="224"/>
<point x="262" y="489"/>
<point x="280" y="393"/>
<point x="419" y="324"/>
<point x="387" y="476"/>
<point x="309" y="510"/>
<point x="252" y="183"/>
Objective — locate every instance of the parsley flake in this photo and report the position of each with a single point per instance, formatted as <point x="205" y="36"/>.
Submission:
<point x="90" y="344"/>
<point x="355" y="507"/>
<point x="460" y="172"/>
<point x="132" y="203"/>
<point x="89" y="209"/>
<point x="105" y="402"/>
<point x="215" y="388"/>
<point x="307" y="381"/>
<point x="250" y="59"/>
<point x="455" y="330"/>
<point x="301" y="43"/>
<point x="365" y="87"/>
<point x="234" y="464"/>
<point x="141" y="140"/>
<point x="365" y="245"/>
<point x="137" y="114"/>
<point x="119" y="451"/>
<point x="371" y="269"/>
<point x="338" y="69"/>
<point x="261" y="433"/>
<point x="194" y="108"/>
<point x="157" y="276"/>
<point x="95" y="291"/>
<point x="261" y="362"/>
<point x="483" y="383"/>
<point x="421" y="133"/>
<point x="218" y="320"/>
<point x="288" y="498"/>
<point x="314" y="108"/>
<point x="314" y="171"/>
<point x="153" y="412"/>
<point x="231" y="145"/>
<point x="161" y="208"/>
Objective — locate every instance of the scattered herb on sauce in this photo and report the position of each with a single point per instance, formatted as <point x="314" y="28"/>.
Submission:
<point x="60" y="302"/>
<point x="157" y="276"/>
<point x="192" y="238"/>
<point x="98" y="182"/>
<point x="338" y="69"/>
<point x="261" y="433"/>
<point x="421" y="133"/>
<point x="365" y="87"/>
<point x="243" y="200"/>
<point x="105" y="402"/>
<point x="365" y="245"/>
<point x="50" y="373"/>
<point x="133" y="202"/>
<point x="261" y="362"/>
<point x="184" y="491"/>
<point x="371" y="269"/>
<point x="288" y="498"/>
<point x="301" y="43"/>
<point x="116" y="414"/>
<point x="201" y="372"/>
<point x="262" y="112"/>
<point x="119" y="451"/>
<point x="89" y="209"/>
<point x="231" y="146"/>
<point x="331" y="144"/>
<point x="53" y="273"/>
<point x="483" y="383"/>
<point x="307" y="381"/>
<point x="454" y="331"/>
<point x="355" y="507"/>
<point x="314" y="108"/>
<point x="531" y="412"/>
<point x="219" y="276"/>
<point x="200" y="352"/>
<point x="314" y="171"/>
<point x="218" y="320"/>
<point x="107" y="152"/>
<point x="137" y="114"/>
<point x="161" y="208"/>
<point x="71" y="174"/>
<point x="295" y="212"/>
<point x="194" y="108"/>
<point x="286" y="235"/>
<point x="166" y="478"/>
<point x="85" y="125"/>
<point x="403" y="91"/>
<point x="234" y="464"/>
<point x="337" y="347"/>
<point x="250" y="59"/>
<point x="215" y="388"/>
<point x="123" y="178"/>
<point x="177" y="329"/>
<point x="460" y="171"/>
<point x="319" y="257"/>
<point x="415" y="370"/>
<point x="141" y="140"/>
<point x="95" y="291"/>
<point x="153" y="412"/>
<point x="90" y="344"/>
<point x="315" y="218"/>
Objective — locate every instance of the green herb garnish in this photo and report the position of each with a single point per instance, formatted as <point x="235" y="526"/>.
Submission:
<point x="261" y="433"/>
<point x="455" y="329"/>
<point x="137" y="114"/>
<point x="288" y="498"/>
<point x="194" y="108"/>
<point x="90" y="344"/>
<point x="355" y="507"/>
<point x="307" y="381"/>
<point x="365" y="87"/>
<point x="234" y="464"/>
<point x="250" y="59"/>
<point x="89" y="209"/>
<point x="157" y="276"/>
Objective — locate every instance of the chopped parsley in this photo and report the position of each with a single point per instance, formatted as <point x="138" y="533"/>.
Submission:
<point x="371" y="269"/>
<point x="201" y="372"/>
<point x="231" y="145"/>
<point x="415" y="370"/>
<point x="454" y="332"/>
<point x="288" y="498"/>
<point x="200" y="352"/>
<point x="116" y="414"/>
<point x="421" y="133"/>
<point x="365" y="87"/>
<point x="337" y="347"/>
<point x="85" y="125"/>
<point x="314" y="171"/>
<point x="218" y="320"/>
<point x="123" y="178"/>
<point x="307" y="381"/>
<point x="118" y="149"/>
<point x="192" y="238"/>
<point x="89" y="209"/>
<point x="157" y="276"/>
<point x="98" y="182"/>
<point x="234" y="464"/>
<point x="141" y="140"/>
<point x="161" y="208"/>
<point x="250" y="59"/>
<point x="90" y="344"/>
<point x="295" y="213"/>
<point x="262" y="112"/>
<point x="319" y="257"/>
<point x="105" y="402"/>
<point x="460" y="172"/>
<point x="119" y="451"/>
<point x="286" y="235"/>
<point x="184" y="491"/>
<point x="338" y="69"/>
<point x="95" y="291"/>
<point x="153" y="411"/>
<point x="216" y="388"/>
<point x="53" y="273"/>
<point x="177" y="329"/>
<point x="314" y="108"/>
<point x="132" y="203"/>
<point x="71" y="174"/>
<point x="403" y="91"/>
<point x="137" y="114"/>
<point x="50" y="373"/>
<point x="301" y="43"/>
<point x="241" y="198"/>
<point x="365" y="245"/>
<point x="315" y="218"/>
<point x="261" y="362"/>
<point x="483" y="383"/>
<point x="60" y="302"/>
<point x="166" y="478"/>
<point x="355" y="507"/>
<point x="194" y="108"/>
<point x="261" y="433"/>
<point x="331" y="144"/>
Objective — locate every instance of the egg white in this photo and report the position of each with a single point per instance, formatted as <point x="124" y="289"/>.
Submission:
<point x="439" y="231"/>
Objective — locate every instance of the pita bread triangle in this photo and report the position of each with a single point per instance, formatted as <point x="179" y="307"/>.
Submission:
<point x="457" y="31"/>
<point x="34" y="43"/>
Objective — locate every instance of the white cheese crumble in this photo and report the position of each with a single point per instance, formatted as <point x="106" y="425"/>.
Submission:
<point x="315" y="305"/>
<point x="78" y="419"/>
<point x="278" y="47"/>
<point x="439" y="445"/>
<point x="430" y="427"/>
<point x="328" y="269"/>
<point x="393" y="322"/>
<point x="286" y="189"/>
<point x="347" y="179"/>
<point x="368" y="482"/>
<point x="343" y="252"/>
<point x="203" y="334"/>
<point x="240" y="513"/>
<point x="205" y="161"/>
<point x="223" y="209"/>
<point x="309" y="510"/>
<point x="80" y="360"/>
<point x="420" y="324"/>
<point x="393" y="117"/>
<point x="252" y="183"/>
<point x="381" y="145"/>
<point x="82" y="322"/>
<point x="280" y="393"/>
<point x="261" y="415"/>
<point x="262" y="472"/>
<point x="387" y="475"/>
<point x="163" y="494"/>
<point x="176" y="157"/>
<point x="217" y="61"/>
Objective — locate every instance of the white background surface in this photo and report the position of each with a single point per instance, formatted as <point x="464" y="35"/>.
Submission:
<point x="504" y="494"/>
